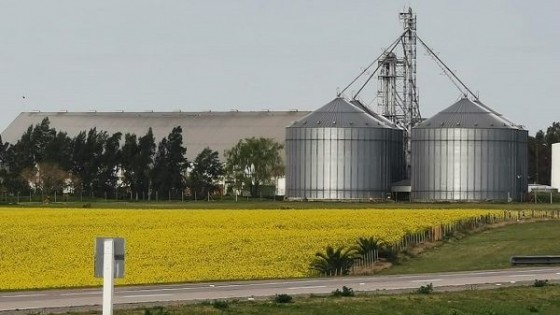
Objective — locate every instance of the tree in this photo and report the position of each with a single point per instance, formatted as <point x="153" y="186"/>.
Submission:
<point x="553" y="133"/>
<point x="14" y="163"/>
<point x="3" y="155"/>
<point x="107" y="177"/>
<point x="31" y="147"/>
<point x="371" y="248"/>
<point x="87" y="158"/>
<point x="364" y="246"/>
<point x="21" y="156"/>
<point x="41" y="136"/>
<point x="145" y="162"/>
<point x="170" y="164"/>
<point x="137" y="163"/>
<point x="177" y="164"/>
<point x="254" y="162"/>
<point x="334" y="262"/>
<point x="206" y="170"/>
<point x="59" y="151"/>
<point x="129" y="152"/>
<point x="46" y="177"/>
<point x="160" y="172"/>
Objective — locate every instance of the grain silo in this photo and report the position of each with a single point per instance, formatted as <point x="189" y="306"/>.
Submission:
<point x="468" y="152"/>
<point x="396" y="146"/>
<point x="339" y="152"/>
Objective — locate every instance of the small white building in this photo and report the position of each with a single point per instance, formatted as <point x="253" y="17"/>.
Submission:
<point x="555" y="170"/>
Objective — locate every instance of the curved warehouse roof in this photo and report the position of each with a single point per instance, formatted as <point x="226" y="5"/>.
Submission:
<point x="217" y="130"/>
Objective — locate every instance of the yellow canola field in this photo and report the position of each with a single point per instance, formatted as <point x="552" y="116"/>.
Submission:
<point x="45" y="248"/>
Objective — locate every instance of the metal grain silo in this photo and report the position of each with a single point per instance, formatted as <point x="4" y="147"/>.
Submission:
<point x="339" y="152"/>
<point x="396" y="145"/>
<point x="468" y="152"/>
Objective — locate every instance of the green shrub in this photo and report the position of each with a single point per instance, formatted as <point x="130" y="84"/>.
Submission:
<point x="334" y="261"/>
<point x="540" y="283"/>
<point x="426" y="289"/>
<point x="387" y="253"/>
<point x="533" y="309"/>
<point x="220" y="304"/>
<point x="156" y="311"/>
<point x="283" y="298"/>
<point x="346" y="291"/>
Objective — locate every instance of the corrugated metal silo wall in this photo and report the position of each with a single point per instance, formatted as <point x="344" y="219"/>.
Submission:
<point x="468" y="164"/>
<point x="398" y="158"/>
<point x="338" y="163"/>
<point x="523" y="163"/>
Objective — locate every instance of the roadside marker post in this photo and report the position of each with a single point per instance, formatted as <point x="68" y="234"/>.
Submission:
<point x="108" y="285"/>
<point x="109" y="264"/>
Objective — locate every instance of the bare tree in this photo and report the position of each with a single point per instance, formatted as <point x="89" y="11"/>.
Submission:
<point x="47" y="177"/>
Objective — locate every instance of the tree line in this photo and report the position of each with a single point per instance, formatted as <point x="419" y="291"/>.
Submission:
<point x="96" y="163"/>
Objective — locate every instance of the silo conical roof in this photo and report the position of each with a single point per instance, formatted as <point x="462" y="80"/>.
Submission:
<point x="339" y="113"/>
<point x="468" y="114"/>
<point x="375" y="115"/>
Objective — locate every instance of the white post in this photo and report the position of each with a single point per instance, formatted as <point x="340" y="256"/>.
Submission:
<point x="108" y="273"/>
<point x="535" y="196"/>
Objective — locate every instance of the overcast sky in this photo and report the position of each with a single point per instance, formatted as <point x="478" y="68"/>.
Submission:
<point x="139" y="55"/>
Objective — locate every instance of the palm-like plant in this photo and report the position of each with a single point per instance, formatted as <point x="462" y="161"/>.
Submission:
<point x="334" y="262"/>
<point x="368" y="248"/>
<point x="368" y="245"/>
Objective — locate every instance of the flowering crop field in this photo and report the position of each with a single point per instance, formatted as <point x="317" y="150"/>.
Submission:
<point x="47" y="248"/>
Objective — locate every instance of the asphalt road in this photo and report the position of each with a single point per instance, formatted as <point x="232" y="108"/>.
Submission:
<point x="92" y="298"/>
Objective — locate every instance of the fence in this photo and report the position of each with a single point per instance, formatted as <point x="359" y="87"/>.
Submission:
<point x="95" y="197"/>
<point x="444" y="231"/>
<point x="366" y="261"/>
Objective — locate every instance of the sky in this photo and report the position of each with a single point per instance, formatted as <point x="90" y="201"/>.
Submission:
<point x="144" y="55"/>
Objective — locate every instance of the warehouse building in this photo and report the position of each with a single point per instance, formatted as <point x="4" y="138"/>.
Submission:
<point x="217" y="130"/>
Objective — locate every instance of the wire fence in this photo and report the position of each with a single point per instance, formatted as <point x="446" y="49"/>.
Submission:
<point x="35" y="197"/>
<point x="445" y="231"/>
